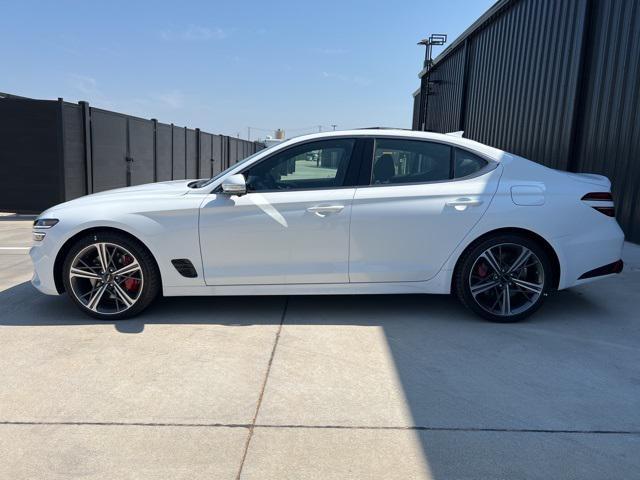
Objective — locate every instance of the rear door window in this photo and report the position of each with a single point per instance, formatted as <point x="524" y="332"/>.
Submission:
<point x="398" y="161"/>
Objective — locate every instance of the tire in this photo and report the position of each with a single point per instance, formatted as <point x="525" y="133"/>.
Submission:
<point x="486" y="273"/>
<point x="102" y="293"/>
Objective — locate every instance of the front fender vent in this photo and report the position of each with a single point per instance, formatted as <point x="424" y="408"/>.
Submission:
<point x="185" y="267"/>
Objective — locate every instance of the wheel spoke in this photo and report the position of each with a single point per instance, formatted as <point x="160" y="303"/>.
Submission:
<point x="95" y="300"/>
<point x="113" y="254"/>
<point x="87" y="266"/>
<point x="526" y="293"/>
<point x="491" y="260"/>
<point x="506" y="301"/>
<point x="132" y="267"/>
<point x="498" y="298"/>
<point x="102" y="255"/>
<point x="512" y="280"/>
<point x="127" y="276"/>
<point x="483" y="287"/>
<point x="122" y="295"/>
<point x="532" y="287"/>
<point x="76" y="272"/>
<point x="520" y="261"/>
<point x="89" y="293"/>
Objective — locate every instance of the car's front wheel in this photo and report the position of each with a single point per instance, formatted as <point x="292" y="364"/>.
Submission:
<point x="109" y="276"/>
<point x="504" y="278"/>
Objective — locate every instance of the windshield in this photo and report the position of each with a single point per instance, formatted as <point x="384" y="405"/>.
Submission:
<point x="235" y="165"/>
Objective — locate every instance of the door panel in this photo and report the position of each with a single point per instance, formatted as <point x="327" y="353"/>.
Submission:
<point x="405" y="233"/>
<point x="276" y="237"/>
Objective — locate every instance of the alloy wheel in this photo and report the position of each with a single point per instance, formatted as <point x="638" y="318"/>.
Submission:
<point x="106" y="278"/>
<point x="507" y="279"/>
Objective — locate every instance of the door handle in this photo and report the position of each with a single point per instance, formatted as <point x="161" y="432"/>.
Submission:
<point x="324" y="210"/>
<point x="463" y="202"/>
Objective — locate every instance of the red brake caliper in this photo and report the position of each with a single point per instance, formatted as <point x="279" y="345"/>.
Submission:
<point x="482" y="270"/>
<point x="131" y="284"/>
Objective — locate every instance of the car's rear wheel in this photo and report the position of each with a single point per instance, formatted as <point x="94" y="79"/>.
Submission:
<point x="504" y="278"/>
<point x="109" y="276"/>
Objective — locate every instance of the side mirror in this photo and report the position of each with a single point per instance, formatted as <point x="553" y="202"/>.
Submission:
<point x="234" y="185"/>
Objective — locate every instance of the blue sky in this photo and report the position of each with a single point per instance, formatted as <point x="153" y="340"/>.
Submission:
<point x="225" y="66"/>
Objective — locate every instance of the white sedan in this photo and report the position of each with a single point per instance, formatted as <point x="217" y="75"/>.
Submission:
<point x="368" y="211"/>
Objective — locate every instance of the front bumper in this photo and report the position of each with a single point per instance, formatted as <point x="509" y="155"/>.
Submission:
<point x="43" y="259"/>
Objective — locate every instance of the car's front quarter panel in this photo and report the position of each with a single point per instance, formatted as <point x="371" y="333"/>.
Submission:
<point x="166" y="225"/>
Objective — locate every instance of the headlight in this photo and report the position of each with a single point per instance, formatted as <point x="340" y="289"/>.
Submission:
<point x="44" y="222"/>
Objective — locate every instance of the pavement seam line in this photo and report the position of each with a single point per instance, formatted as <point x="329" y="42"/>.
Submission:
<point x="264" y="386"/>
<point x="319" y="427"/>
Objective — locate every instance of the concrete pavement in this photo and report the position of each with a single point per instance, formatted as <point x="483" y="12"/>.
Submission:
<point x="318" y="387"/>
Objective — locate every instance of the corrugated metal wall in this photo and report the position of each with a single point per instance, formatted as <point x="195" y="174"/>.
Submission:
<point x="523" y="77"/>
<point x="415" y="123"/>
<point x="556" y="81"/>
<point x="63" y="151"/>
<point x="445" y="94"/>
<point x="608" y="135"/>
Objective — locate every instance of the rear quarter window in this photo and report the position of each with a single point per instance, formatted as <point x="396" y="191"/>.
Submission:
<point x="466" y="163"/>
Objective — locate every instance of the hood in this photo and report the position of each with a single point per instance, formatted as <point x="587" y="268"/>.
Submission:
<point x="172" y="186"/>
<point x="164" y="189"/>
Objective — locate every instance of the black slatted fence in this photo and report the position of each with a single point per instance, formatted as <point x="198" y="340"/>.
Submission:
<point x="53" y="151"/>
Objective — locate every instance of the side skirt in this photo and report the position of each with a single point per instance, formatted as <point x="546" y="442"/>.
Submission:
<point x="437" y="285"/>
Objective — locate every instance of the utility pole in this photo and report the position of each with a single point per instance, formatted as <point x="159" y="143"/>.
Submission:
<point x="425" y="82"/>
<point x="249" y="133"/>
<point x="334" y="127"/>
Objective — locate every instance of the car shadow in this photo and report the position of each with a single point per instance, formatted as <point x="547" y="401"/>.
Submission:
<point x="460" y="375"/>
<point x="23" y="305"/>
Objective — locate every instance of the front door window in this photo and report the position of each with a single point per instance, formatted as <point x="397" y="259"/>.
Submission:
<point x="315" y="165"/>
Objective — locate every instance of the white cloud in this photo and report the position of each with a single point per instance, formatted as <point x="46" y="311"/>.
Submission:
<point x="84" y="84"/>
<point x="88" y="89"/>
<point x="331" y="51"/>
<point x="171" y="99"/>
<point x="356" y="80"/>
<point x="167" y="100"/>
<point x="195" y="33"/>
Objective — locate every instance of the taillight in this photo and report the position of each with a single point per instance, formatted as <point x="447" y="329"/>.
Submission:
<point x="603" y="196"/>
<point x="601" y="201"/>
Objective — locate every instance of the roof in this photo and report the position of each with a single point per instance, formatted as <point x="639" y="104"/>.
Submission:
<point x="491" y="152"/>
<point x="485" y="18"/>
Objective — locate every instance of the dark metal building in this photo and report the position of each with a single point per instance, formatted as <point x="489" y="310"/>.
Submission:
<point x="52" y="151"/>
<point x="556" y="81"/>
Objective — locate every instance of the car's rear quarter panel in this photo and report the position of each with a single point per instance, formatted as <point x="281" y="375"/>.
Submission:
<point x="582" y="237"/>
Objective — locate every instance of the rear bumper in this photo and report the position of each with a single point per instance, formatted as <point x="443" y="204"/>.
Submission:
<point x="590" y="256"/>
<point x="609" y="269"/>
